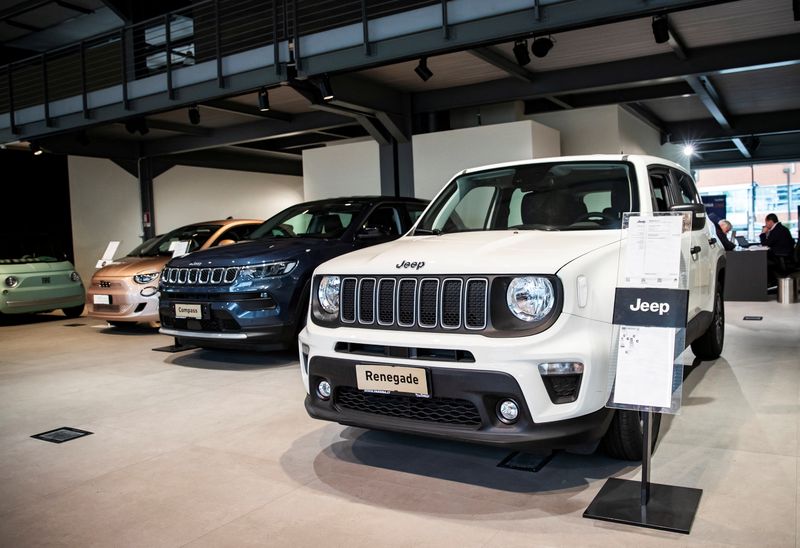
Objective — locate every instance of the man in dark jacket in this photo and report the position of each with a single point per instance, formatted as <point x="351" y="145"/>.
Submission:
<point x="781" y="246"/>
<point x="723" y="227"/>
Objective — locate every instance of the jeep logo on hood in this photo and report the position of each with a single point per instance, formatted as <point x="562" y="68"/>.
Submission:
<point x="416" y="265"/>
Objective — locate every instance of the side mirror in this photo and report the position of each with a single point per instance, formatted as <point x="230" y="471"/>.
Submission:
<point x="371" y="233"/>
<point x="698" y="212"/>
<point x="226" y="242"/>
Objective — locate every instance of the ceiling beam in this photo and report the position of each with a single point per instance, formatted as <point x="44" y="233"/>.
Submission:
<point x="705" y="130"/>
<point x="175" y="127"/>
<point x="640" y="71"/>
<point x="74" y="7"/>
<point x="498" y="60"/>
<point x="239" y="160"/>
<point x="20" y="8"/>
<point x="617" y="96"/>
<point x="226" y="105"/>
<point x="23" y="26"/>
<point x="712" y="100"/>
<point x="783" y="150"/>
<point x="244" y="133"/>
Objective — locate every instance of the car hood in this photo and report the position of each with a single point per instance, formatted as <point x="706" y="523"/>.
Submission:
<point x="252" y="252"/>
<point x="130" y="266"/>
<point x="493" y="252"/>
<point x="32" y="268"/>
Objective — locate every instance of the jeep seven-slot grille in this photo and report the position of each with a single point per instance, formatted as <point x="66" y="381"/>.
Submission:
<point x="200" y="276"/>
<point x="428" y="303"/>
<point x="439" y="410"/>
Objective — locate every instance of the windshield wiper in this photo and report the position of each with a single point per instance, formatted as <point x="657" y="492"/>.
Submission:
<point x="426" y="231"/>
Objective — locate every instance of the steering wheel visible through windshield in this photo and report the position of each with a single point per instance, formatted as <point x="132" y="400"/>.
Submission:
<point x="547" y="196"/>
<point x="319" y="220"/>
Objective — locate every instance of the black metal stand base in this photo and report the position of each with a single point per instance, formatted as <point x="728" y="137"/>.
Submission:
<point x="173" y="348"/>
<point x="669" y="508"/>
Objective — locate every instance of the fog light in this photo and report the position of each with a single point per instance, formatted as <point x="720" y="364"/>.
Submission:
<point x="560" y="368"/>
<point x="324" y="390"/>
<point x="508" y="411"/>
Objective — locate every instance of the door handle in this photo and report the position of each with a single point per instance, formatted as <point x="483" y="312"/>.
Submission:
<point x="712" y="241"/>
<point x="695" y="250"/>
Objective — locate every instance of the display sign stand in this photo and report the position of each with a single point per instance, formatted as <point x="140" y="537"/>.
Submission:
<point x="650" y="309"/>
<point x="646" y="504"/>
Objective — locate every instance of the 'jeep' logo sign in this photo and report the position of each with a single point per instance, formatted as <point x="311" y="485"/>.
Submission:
<point x="416" y="265"/>
<point x="651" y="307"/>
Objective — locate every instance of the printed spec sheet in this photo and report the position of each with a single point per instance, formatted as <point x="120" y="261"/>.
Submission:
<point x="645" y="355"/>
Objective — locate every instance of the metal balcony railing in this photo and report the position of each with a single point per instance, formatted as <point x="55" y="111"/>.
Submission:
<point x="206" y="31"/>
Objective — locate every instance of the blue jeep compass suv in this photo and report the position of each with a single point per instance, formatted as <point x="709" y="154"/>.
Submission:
<point x="254" y="295"/>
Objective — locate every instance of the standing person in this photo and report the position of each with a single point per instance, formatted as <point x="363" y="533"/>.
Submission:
<point x="723" y="227"/>
<point x="780" y="243"/>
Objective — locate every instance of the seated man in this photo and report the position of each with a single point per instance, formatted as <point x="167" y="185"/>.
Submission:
<point x="781" y="247"/>
<point x="723" y="228"/>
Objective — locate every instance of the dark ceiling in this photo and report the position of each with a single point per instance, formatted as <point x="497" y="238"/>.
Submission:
<point x="728" y="80"/>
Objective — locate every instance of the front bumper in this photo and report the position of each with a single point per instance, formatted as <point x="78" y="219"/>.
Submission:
<point x="29" y="300"/>
<point x="126" y="301"/>
<point x="502" y="368"/>
<point x="256" y="319"/>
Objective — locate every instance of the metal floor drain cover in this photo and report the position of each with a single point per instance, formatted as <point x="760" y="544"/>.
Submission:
<point x="60" y="435"/>
<point x="74" y="324"/>
<point x="754" y="318"/>
<point x="526" y="462"/>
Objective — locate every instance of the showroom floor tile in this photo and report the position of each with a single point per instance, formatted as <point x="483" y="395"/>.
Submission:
<point x="208" y="448"/>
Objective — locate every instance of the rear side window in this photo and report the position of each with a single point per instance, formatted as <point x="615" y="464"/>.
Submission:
<point x="685" y="188"/>
<point x="659" y="184"/>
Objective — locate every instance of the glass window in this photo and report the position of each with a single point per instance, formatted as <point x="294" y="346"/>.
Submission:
<point x="546" y="196"/>
<point x="318" y="220"/>
<point x="196" y="235"/>
<point x="659" y="183"/>
<point x="384" y="220"/>
<point x="415" y="212"/>
<point x="685" y="188"/>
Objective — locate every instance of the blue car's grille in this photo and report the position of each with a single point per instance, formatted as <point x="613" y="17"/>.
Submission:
<point x="199" y="276"/>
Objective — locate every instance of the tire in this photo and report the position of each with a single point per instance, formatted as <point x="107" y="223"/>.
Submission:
<point x="623" y="440"/>
<point x="709" y="345"/>
<point x="73" y="311"/>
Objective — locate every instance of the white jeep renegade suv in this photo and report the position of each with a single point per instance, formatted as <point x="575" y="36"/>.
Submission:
<point x="491" y="320"/>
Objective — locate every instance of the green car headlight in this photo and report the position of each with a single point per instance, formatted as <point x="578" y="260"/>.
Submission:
<point x="12" y="281"/>
<point x="75" y="277"/>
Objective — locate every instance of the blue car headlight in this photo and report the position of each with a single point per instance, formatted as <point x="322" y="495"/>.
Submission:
<point x="266" y="270"/>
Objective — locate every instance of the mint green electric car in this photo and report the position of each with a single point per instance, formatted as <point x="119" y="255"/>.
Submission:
<point x="38" y="281"/>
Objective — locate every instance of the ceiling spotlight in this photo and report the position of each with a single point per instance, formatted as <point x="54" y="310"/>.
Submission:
<point x="263" y="100"/>
<point x="142" y="126"/>
<point x="36" y="149"/>
<point x="541" y="46"/>
<point x="326" y="89"/>
<point x="688" y="149"/>
<point x="132" y="125"/>
<point x="661" y="28"/>
<point x="521" y="52"/>
<point x="194" y="115"/>
<point x="422" y="69"/>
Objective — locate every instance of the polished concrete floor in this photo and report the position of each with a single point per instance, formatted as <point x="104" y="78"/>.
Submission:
<point x="215" y="449"/>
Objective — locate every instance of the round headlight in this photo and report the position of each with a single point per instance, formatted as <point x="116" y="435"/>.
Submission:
<point x="12" y="281"/>
<point x="530" y="298"/>
<point x="145" y="278"/>
<point x="75" y="277"/>
<point x="328" y="294"/>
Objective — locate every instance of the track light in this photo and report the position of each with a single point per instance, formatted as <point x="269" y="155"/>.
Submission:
<point x="422" y="69"/>
<point x="263" y="100"/>
<point x="36" y="149"/>
<point x="688" y="149"/>
<point x="541" y="46"/>
<point x="326" y="89"/>
<point x="132" y="125"/>
<point x="194" y="115"/>
<point x="521" y="52"/>
<point x="661" y="28"/>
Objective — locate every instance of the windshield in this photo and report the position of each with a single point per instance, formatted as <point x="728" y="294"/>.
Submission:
<point x="310" y="221"/>
<point x="550" y="196"/>
<point x="16" y="249"/>
<point x="196" y="235"/>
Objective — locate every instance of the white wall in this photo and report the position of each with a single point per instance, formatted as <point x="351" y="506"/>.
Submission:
<point x="185" y="195"/>
<point x="585" y="131"/>
<point x="349" y="169"/>
<point x="105" y="205"/>
<point x="438" y="156"/>
<point x="638" y="137"/>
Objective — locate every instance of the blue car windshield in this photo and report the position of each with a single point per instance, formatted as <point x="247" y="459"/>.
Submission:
<point x="320" y="220"/>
